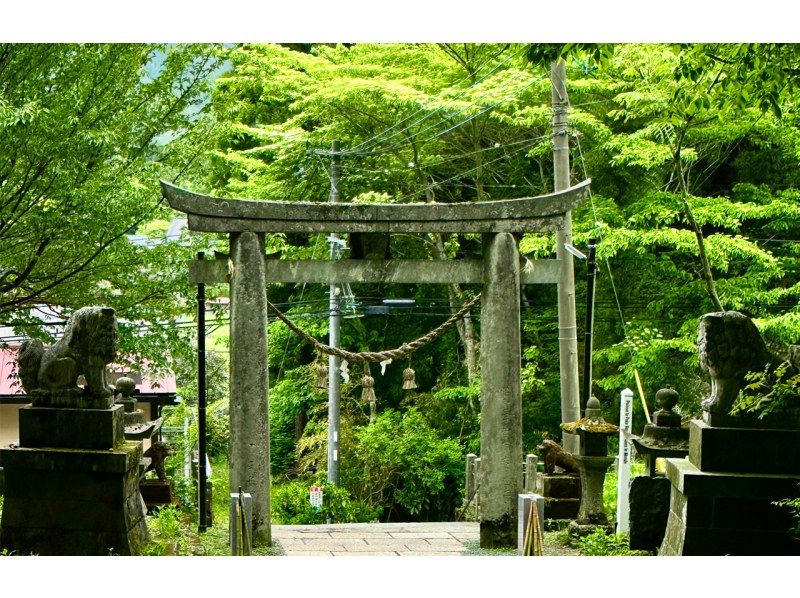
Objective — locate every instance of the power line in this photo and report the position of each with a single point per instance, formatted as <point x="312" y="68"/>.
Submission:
<point x="375" y="138"/>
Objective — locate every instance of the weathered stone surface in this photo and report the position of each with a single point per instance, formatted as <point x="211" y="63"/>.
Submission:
<point x="593" y="473"/>
<point x="690" y="480"/>
<point x="649" y="508"/>
<point x="373" y="271"/>
<point x="743" y="450"/>
<point x="249" y="412"/>
<point x="730" y="346"/>
<point x="60" y="427"/>
<point x="513" y="215"/>
<point x="89" y="343"/>
<point x="73" y="502"/>
<point x="501" y="407"/>
<point x="715" y="513"/>
<point x="123" y="457"/>
<point x="560" y="485"/>
<point x="561" y="508"/>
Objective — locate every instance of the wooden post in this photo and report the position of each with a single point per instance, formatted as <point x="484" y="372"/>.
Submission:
<point x="624" y="462"/>
<point x="530" y="472"/>
<point x="501" y="405"/>
<point x="469" y="485"/>
<point x="249" y="411"/>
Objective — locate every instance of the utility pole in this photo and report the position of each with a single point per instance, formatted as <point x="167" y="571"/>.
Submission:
<point x="567" y="327"/>
<point x="333" y="333"/>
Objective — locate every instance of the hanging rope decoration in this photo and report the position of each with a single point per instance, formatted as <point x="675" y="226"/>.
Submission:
<point x="321" y="370"/>
<point x="404" y="351"/>
<point x="368" y="387"/>
<point x="409" y="382"/>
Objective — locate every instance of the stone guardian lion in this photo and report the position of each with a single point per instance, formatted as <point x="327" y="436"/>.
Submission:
<point x="88" y="345"/>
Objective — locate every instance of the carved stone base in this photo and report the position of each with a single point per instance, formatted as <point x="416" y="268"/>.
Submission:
<point x="562" y="495"/>
<point x="73" y="502"/>
<point x="500" y="533"/>
<point x="649" y="508"/>
<point x="717" y="514"/>
<point x="156" y="493"/>
<point x="744" y="450"/>
<point x="75" y="398"/>
<point x="70" y="428"/>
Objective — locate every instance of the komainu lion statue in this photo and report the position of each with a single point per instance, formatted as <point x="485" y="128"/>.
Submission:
<point x="157" y="452"/>
<point x="50" y="376"/>
<point x="552" y="454"/>
<point x="729" y="346"/>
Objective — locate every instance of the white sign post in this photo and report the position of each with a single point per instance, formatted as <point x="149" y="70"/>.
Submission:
<point x="624" y="462"/>
<point x="315" y="497"/>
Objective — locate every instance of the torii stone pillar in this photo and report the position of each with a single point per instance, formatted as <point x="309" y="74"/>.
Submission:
<point x="501" y="403"/>
<point x="249" y="411"/>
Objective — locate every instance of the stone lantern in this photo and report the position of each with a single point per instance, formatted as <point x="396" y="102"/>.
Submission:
<point x="594" y="461"/>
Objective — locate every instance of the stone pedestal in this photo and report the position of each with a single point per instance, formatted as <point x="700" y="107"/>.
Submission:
<point x="71" y="488"/>
<point x="562" y="495"/>
<point x="592" y="513"/>
<point x="60" y="427"/>
<point x="73" y="502"/>
<point x="722" y="495"/>
<point x="649" y="508"/>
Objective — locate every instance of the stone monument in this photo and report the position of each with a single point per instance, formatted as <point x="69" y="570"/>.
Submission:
<point x="71" y="487"/>
<point x="594" y="461"/>
<point x="649" y="494"/>
<point x="723" y="496"/>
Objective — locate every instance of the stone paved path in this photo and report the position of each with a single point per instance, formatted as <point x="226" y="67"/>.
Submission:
<point x="377" y="539"/>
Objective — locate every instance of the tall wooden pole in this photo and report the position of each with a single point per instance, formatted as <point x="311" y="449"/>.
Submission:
<point x="567" y="327"/>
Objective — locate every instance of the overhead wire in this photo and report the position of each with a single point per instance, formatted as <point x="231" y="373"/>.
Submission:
<point x="375" y="140"/>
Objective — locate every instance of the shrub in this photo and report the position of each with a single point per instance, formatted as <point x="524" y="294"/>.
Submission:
<point x="598" y="543"/>
<point x="400" y="463"/>
<point x="290" y="505"/>
<point x="168" y="535"/>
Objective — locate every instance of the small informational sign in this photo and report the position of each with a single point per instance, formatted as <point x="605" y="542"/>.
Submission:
<point x="315" y="496"/>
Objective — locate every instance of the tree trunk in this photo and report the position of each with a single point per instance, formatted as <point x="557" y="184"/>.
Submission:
<point x="708" y="276"/>
<point x="464" y="325"/>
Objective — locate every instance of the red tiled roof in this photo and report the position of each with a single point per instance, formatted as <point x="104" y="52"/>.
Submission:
<point x="10" y="384"/>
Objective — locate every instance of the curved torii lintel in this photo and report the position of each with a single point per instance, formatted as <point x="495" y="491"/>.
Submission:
<point x="525" y="214"/>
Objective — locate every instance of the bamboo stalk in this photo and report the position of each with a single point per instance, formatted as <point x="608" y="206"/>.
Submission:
<point x="641" y="395"/>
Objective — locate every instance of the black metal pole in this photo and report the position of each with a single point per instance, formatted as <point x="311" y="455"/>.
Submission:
<point x="201" y="399"/>
<point x="587" y="356"/>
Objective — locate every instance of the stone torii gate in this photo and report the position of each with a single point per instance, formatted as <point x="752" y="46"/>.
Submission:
<point x="248" y="272"/>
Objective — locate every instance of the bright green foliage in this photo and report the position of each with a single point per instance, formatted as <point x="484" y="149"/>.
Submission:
<point x="290" y="504"/>
<point x="598" y="543"/>
<point x="771" y="392"/>
<point x="167" y="533"/>
<point x="86" y="131"/>
<point x="400" y="462"/>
